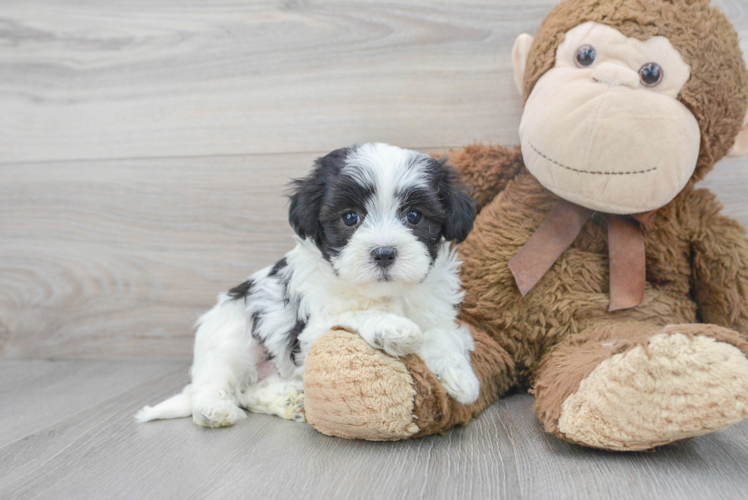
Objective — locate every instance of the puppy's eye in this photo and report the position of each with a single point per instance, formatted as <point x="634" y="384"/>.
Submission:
<point x="650" y="74"/>
<point x="413" y="217"/>
<point x="586" y="55"/>
<point x="350" y="219"/>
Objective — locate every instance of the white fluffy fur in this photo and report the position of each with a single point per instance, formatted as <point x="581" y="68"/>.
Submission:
<point x="413" y="312"/>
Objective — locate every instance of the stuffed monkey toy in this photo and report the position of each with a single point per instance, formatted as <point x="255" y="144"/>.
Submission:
<point x="597" y="276"/>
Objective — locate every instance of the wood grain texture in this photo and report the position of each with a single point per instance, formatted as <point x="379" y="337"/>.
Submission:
<point x="168" y="78"/>
<point x="118" y="259"/>
<point x="102" y="256"/>
<point x="37" y="394"/>
<point x="98" y="451"/>
<point x="84" y="80"/>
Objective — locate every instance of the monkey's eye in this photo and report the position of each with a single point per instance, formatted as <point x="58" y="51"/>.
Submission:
<point x="586" y="55"/>
<point x="413" y="217"/>
<point x="350" y="219"/>
<point x="650" y="74"/>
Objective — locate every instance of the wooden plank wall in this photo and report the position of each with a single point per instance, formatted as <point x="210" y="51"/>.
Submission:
<point x="144" y="144"/>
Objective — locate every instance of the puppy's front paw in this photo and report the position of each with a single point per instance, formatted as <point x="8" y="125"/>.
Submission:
<point x="461" y="384"/>
<point x="211" y="409"/>
<point x="395" y="335"/>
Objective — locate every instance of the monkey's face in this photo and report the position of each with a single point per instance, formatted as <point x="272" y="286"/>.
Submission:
<point x="604" y="129"/>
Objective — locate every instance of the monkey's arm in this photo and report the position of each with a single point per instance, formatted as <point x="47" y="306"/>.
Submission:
<point x="720" y="266"/>
<point x="486" y="170"/>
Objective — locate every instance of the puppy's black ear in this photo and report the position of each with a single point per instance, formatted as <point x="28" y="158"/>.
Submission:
<point x="460" y="208"/>
<point x="308" y="194"/>
<point x="303" y="212"/>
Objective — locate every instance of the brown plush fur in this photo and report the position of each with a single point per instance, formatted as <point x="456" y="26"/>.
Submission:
<point x="487" y="171"/>
<point x="341" y="357"/>
<point x="696" y="258"/>
<point x="576" y="357"/>
<point x="572" y="360"/>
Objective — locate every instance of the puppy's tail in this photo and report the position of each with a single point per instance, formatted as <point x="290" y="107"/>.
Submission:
<point x="176" y="406"/>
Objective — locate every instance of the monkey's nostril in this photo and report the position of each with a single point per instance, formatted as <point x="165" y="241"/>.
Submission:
<point x="384" y="256"/>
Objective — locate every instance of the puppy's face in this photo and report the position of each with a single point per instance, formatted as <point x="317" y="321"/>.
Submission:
<point x="378" y="213"/>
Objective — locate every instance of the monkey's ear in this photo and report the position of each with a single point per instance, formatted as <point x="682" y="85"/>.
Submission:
<point x="741" y="141"/>
<point x="519" y="59"/>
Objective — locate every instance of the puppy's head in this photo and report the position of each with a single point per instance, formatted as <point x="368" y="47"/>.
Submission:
<point x="379" y="213"/>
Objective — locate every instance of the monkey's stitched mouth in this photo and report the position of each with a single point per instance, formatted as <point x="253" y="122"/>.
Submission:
<point x="631" y="172"/>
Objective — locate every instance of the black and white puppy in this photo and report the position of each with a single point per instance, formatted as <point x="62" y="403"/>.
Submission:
<point x="375" y="225"/>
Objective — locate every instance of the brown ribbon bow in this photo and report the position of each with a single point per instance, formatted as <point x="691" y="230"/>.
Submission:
<point x="558" y="232"/>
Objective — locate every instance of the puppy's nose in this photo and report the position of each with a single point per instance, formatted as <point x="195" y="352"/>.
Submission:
<point x="384" y="257"/>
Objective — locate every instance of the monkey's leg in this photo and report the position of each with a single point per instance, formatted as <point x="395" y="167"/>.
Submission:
<point x="355" y="391"/>
<point x="635" y="386"/>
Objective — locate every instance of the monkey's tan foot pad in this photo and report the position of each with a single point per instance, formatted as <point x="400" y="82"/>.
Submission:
<point x="357" y="392"/>
<point x="674" y="388"/>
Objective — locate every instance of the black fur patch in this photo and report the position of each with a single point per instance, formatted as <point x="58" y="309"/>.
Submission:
<point x="309" y="192"/>
<point x="280" y="265"/>
<point x="447" y="209"/>
<point x="429" y="230"/>
<point x="345" y="195"/>
<point x="287" y="296"/>
<point x="460" y="208"/>
<point x="241" y="291"/>
<point x="293" y="339"/>
<point x="319" y="201"/>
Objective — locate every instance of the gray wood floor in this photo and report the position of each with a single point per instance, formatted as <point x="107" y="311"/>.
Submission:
<point x="68" y="433"/>
<point x="145" y="147"/>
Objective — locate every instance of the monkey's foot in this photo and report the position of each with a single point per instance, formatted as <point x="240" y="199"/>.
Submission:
<point x="676" y="386"/>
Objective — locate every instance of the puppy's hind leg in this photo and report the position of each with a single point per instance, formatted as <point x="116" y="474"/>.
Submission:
<point x="276" y="396"/>
<point x="215" y="407"/>
<point x="177" y="406"/>
<point x="226" y="360"/>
